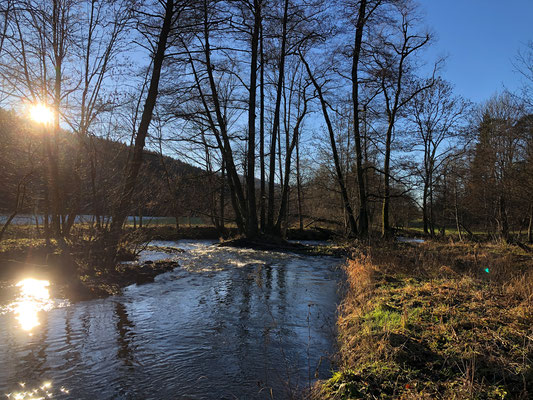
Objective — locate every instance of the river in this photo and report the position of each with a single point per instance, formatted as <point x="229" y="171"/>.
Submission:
<point x="226" y="324"/>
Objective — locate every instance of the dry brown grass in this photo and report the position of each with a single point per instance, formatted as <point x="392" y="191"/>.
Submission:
<point x="436" y="320"/>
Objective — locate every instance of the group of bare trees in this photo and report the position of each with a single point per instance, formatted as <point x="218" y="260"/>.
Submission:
<point x="484" y="182"/>
<point x="488" y="188"/>
<point x="377" y="60"/>
<point x="233" y="87"/>
<point x="64" y="54"/>
<point x="267" y="65"/>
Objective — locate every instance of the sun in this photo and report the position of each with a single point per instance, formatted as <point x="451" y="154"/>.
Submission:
<point x="41" y="114"/>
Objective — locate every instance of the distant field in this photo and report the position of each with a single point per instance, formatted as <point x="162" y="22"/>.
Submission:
<point x="417" y="227"/>
<point x="26" y="219"/>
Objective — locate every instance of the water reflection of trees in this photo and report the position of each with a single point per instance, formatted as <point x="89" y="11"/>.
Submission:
<point x="124" y="338"/>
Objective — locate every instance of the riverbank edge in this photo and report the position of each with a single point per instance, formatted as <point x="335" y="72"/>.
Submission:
<point x="24" y="256"/>
<point x="435" y="320"/>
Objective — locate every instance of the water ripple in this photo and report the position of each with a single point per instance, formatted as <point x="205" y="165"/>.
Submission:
<point x="227" y="323"/>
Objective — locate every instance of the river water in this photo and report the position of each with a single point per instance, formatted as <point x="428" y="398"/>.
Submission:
<point x="226" y="324"/>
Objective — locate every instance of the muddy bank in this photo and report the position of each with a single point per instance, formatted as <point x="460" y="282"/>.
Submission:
<point x="72" y="278"/>
<point x="108" y="283"/>
<point x="268" y="243"/>
<point x="205" y="232"/>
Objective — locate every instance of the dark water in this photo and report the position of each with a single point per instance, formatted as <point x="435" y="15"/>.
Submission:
<point x="226" y="324"/>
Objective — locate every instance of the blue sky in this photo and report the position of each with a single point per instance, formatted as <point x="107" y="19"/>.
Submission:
<point x="481" y="39"/>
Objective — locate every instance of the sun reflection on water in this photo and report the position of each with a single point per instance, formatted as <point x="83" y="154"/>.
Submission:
<point x="45" y="391"/>
<point x="35" y="297"/>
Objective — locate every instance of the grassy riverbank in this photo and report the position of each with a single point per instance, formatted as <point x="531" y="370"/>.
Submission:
<point x="436" y="320"/>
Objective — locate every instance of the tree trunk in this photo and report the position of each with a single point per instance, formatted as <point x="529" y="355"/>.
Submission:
<point x="262" y="132"/>
<point x="21" y="196"/>
<point x="169" y="183"/>
<point x="53" y="183"/>
<point x="504" y="226"/>
<point x="251" y="220"/>
<point x="456" y="206"/>
<point x="425" y="207"/>
<point x="338" y="169"/>
<point x="299" y="186"/>
<point x="276" y="123"/>
<point x="431" y="212"/>
<point x="363" y="206"/>
<point x="46" y="220"/>
<point x="57" y="44"/>
<point x="222" y="198"/>
<point x="36" y="217"/>
<point x="96" y="204"/>
<point x="121" y="212"/>
<point x="530" y="226"/>
<point x="76" y="201"/>
<point x="385" y="224"/>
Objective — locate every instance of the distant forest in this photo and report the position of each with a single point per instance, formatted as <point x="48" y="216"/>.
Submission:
<point x="166" y="186"/>
<point x="262" y="114"/>
<point x="97" y="178"/>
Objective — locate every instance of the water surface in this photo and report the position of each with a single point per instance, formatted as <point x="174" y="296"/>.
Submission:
<point x="226" y="324"/>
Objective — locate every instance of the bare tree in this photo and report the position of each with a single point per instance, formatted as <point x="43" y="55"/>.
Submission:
<point x="276" y="123"/>
<point x="499" y="151"/>
<point x="170" y="13"/>
<point x="394" y="73"/>
<point x="35" y="69"/>
<point x="523" y="64"/>
<point x="302" y="100"/>
<point x="338" y="168"/>
<point x="99" y="44"/>
<point x="439" y="119"/>
<point x="364" y="14"/>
